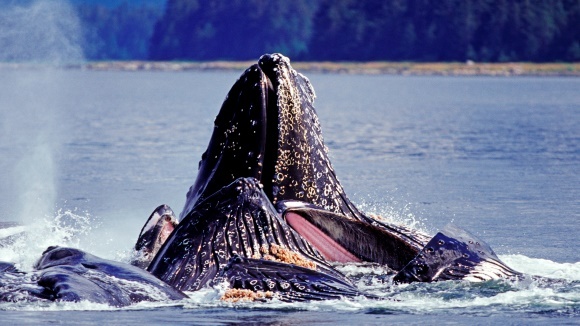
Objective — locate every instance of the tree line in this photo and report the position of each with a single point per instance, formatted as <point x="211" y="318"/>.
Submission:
<point x="346" y="30"/>
<point x="117" y="32"/>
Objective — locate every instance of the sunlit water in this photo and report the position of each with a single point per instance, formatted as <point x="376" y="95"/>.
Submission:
<point x="86" y="156"/>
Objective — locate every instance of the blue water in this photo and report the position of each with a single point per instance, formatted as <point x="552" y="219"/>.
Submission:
<point x="86" y="156"/>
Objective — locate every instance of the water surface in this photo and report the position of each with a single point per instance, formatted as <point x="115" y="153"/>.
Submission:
<point x="86" y="156"/>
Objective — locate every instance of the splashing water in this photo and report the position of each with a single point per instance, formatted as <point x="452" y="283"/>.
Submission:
<point x="64" y="228"/>
<point x="47" y="33"/>
<point x="391" y="214"/>
<point x="543" y="267"/>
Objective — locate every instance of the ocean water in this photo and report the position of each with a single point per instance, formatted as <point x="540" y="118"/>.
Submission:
<point x="86" y="156"/>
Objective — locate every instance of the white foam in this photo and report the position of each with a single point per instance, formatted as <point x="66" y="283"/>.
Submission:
<point x="543" y="267"/>
<point x="11" y="231"/>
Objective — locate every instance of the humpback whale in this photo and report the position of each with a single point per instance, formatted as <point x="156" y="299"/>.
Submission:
<point x="156" y="230"/>
<point x="266" y="215"/>
<point x="268" y="129"/>
<point x="265" y="185"/>
<point x="68" y="274"/>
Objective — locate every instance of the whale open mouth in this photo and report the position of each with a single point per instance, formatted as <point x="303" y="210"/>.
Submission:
<point x="266" y="214"/>
<point x="343" y="239"/>
<point x="235" y="235"/>
<point x="328" y="247"/>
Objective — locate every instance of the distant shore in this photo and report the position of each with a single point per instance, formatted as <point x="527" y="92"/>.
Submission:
<point x="368" y="68"/>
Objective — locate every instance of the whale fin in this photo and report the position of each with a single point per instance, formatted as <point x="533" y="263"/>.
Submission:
<point x="454" y="254"/>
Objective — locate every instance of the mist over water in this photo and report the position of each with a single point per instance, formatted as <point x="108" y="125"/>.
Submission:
<point x="44" y="31"/>
<point x="36" y="178"/>
<point x="30" y="124"/>
<point x="46" y="34"/>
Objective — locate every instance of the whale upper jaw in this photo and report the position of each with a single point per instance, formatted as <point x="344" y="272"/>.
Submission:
<point x="267" y="128"/>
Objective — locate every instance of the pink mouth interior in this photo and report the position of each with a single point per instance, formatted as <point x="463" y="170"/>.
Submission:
<point x="329" y="248"/>
<point x="166" y="230"/>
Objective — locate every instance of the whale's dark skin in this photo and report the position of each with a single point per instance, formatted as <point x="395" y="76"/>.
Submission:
<point x="268" y="115"/>
<point x="67" y="274"/>
<point x="289" y="282"/>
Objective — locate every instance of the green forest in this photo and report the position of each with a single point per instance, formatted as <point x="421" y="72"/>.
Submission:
<point x="354" y="30"/>
<point x="332" y="30"/>
<point x="120" y="32"/>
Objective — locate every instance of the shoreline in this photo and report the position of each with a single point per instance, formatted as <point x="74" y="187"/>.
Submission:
<point x="468" y="68"/>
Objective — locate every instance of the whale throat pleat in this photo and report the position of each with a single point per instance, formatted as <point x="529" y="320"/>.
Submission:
<point x="238" y="220"/>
